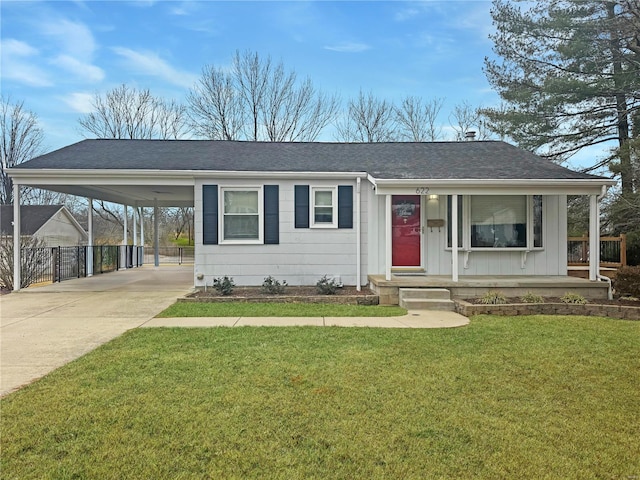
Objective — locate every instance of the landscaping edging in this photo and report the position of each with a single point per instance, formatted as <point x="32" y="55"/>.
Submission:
<point x="613" y="311"/>
<point x="333" y="299"/>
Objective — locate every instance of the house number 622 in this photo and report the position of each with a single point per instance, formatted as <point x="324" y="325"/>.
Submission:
<point x="422" y="190"/>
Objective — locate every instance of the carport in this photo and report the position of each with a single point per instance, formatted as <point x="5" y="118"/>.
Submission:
<point x="80" y="172"/>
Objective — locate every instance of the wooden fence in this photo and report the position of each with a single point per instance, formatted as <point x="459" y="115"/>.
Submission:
<point x="613" y="251"/>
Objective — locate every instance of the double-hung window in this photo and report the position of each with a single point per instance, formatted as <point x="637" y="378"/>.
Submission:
<point x="241" y="213"/>
<point x="323" y="206"/>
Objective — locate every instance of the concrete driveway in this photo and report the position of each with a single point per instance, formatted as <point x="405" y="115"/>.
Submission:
<point x="43" y="328"/>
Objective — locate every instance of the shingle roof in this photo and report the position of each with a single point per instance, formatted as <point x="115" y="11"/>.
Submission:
<point x="32" y="217"/>
<point x="435" y="160"/>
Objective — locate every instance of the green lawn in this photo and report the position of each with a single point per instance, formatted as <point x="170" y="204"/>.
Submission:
<point x="250" y="309"/>
<point x="526" y="397"/>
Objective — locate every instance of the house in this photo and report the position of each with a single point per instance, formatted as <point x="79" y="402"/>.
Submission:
<point x="53" y="225"/>
<point x="360" y="212"/>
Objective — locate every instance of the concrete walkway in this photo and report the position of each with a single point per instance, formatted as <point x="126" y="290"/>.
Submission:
<point x="43" y="328"/>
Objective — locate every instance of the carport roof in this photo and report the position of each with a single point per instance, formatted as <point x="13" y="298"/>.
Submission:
<point x="480" y="160"/>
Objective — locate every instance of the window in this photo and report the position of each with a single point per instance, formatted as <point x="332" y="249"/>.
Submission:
<point x="241" y="214"/>
<point x="499" y="221"/>
<point x="537" y="221"/>
<point x="323" y="206"/>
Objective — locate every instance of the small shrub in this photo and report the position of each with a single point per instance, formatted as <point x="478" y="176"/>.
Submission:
<point x="627" y="281"/>
<point x="224" y="285"/>
<point x="273" y="286"/>
<point x="574" y="298"/>
<point x="493" y="298"/>
<point x="327" y="286"/>
<point x="532" y="298"/>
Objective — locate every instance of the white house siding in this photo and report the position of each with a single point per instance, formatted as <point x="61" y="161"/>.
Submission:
<point x="550" y="260"/>
<point x="302" y="256"/>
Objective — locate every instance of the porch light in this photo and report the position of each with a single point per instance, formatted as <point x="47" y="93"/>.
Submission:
<point x="433" y="197"/>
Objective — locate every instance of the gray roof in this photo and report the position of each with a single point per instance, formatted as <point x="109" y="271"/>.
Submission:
<point x="406" y="160"/>
<point x="32" y="217"/>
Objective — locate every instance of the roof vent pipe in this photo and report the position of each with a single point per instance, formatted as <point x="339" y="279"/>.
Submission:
<point x="470" y="136"/>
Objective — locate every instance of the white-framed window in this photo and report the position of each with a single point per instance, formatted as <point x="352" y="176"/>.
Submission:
<point x="242" y="210"/>
<point x="323" y="207"/>
<point x="498" y="222"/>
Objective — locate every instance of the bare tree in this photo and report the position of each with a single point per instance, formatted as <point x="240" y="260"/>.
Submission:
<point x="21" y="141"/>
<point x="466" y="118"/>
<point x="258" y="100"/>
<point x="128" y="113"/>
<point x="418" y="120"/>
<point x="368" y="119"/>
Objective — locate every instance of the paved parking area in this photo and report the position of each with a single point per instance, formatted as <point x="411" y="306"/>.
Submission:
<point x="43" y="328"/>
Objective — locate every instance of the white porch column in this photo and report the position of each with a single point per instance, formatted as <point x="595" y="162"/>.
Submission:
<point x="454" y="238"/>
<point x="358" y="236"/>
<point x="594" y="238"/>
<point x="90" y="232"/>
<point x="156" y="234"/>
<point x="387" y="238"/>
<point x="16" y="238"/>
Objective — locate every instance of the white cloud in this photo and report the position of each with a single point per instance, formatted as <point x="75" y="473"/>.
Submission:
<point x="18" y="66"/>
<point x="85" y="71"/>
<point x="149" y="63"/>
<point x="406" y="14"/>
<point x="80" y="102"/>
<point x="348" y="47"/>
<point x="75" y="39"/>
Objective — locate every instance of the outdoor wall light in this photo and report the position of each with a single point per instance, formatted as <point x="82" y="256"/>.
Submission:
<point x="433" y="197"/>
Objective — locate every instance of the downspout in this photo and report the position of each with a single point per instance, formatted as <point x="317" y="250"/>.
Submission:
<point x="598" y="276"/>
<point x="358" y="236"/>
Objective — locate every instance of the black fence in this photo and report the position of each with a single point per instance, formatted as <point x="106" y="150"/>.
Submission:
<point x="56" y="264"/>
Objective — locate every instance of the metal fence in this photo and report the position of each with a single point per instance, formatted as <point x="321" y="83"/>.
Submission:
<point x="56" y="264"/>
<point x="174" y="255"/>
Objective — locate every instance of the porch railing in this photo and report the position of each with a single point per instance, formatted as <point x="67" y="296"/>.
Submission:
<point x="613" y="251"/>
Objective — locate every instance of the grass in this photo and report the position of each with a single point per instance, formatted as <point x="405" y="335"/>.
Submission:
<point x="250" y="309"/>
<point x="521" y="397"/>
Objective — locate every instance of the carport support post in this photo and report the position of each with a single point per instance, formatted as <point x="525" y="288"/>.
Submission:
<point x="142" y="235"/>
<point x="16" y="237"/>
<point x="125" y="235"/>
<point x="135" y="236"/>
<point x="90" y="246"/>
<point x="156" y="236"/>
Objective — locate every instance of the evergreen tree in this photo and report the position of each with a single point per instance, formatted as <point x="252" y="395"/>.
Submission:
<point x="569" y="74"/>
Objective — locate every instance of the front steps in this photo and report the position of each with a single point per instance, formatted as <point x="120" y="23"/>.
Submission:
<point x="426" y="299"/>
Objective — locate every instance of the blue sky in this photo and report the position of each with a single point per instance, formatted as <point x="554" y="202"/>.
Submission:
<point x="56" y="55"/>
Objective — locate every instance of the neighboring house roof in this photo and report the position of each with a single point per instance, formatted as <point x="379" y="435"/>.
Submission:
<point x="473" y="160"/>
<point x="32" y="217"/>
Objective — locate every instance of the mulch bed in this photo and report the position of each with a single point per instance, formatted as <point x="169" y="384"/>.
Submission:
<point x="294" y="291"/>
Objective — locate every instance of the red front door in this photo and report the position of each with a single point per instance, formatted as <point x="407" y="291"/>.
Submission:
<point x="405" y="231"/>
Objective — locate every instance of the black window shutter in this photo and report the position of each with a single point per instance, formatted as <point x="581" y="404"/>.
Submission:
<point x="345" y="206"/>
<point x="301" y="194"/>
<point x="271" y="215"/>
<point x="210" y="214"/>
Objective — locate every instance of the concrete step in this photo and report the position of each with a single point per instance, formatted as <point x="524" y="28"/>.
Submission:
<point x="426" y="293"/>
<point x="427" y="304"/>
